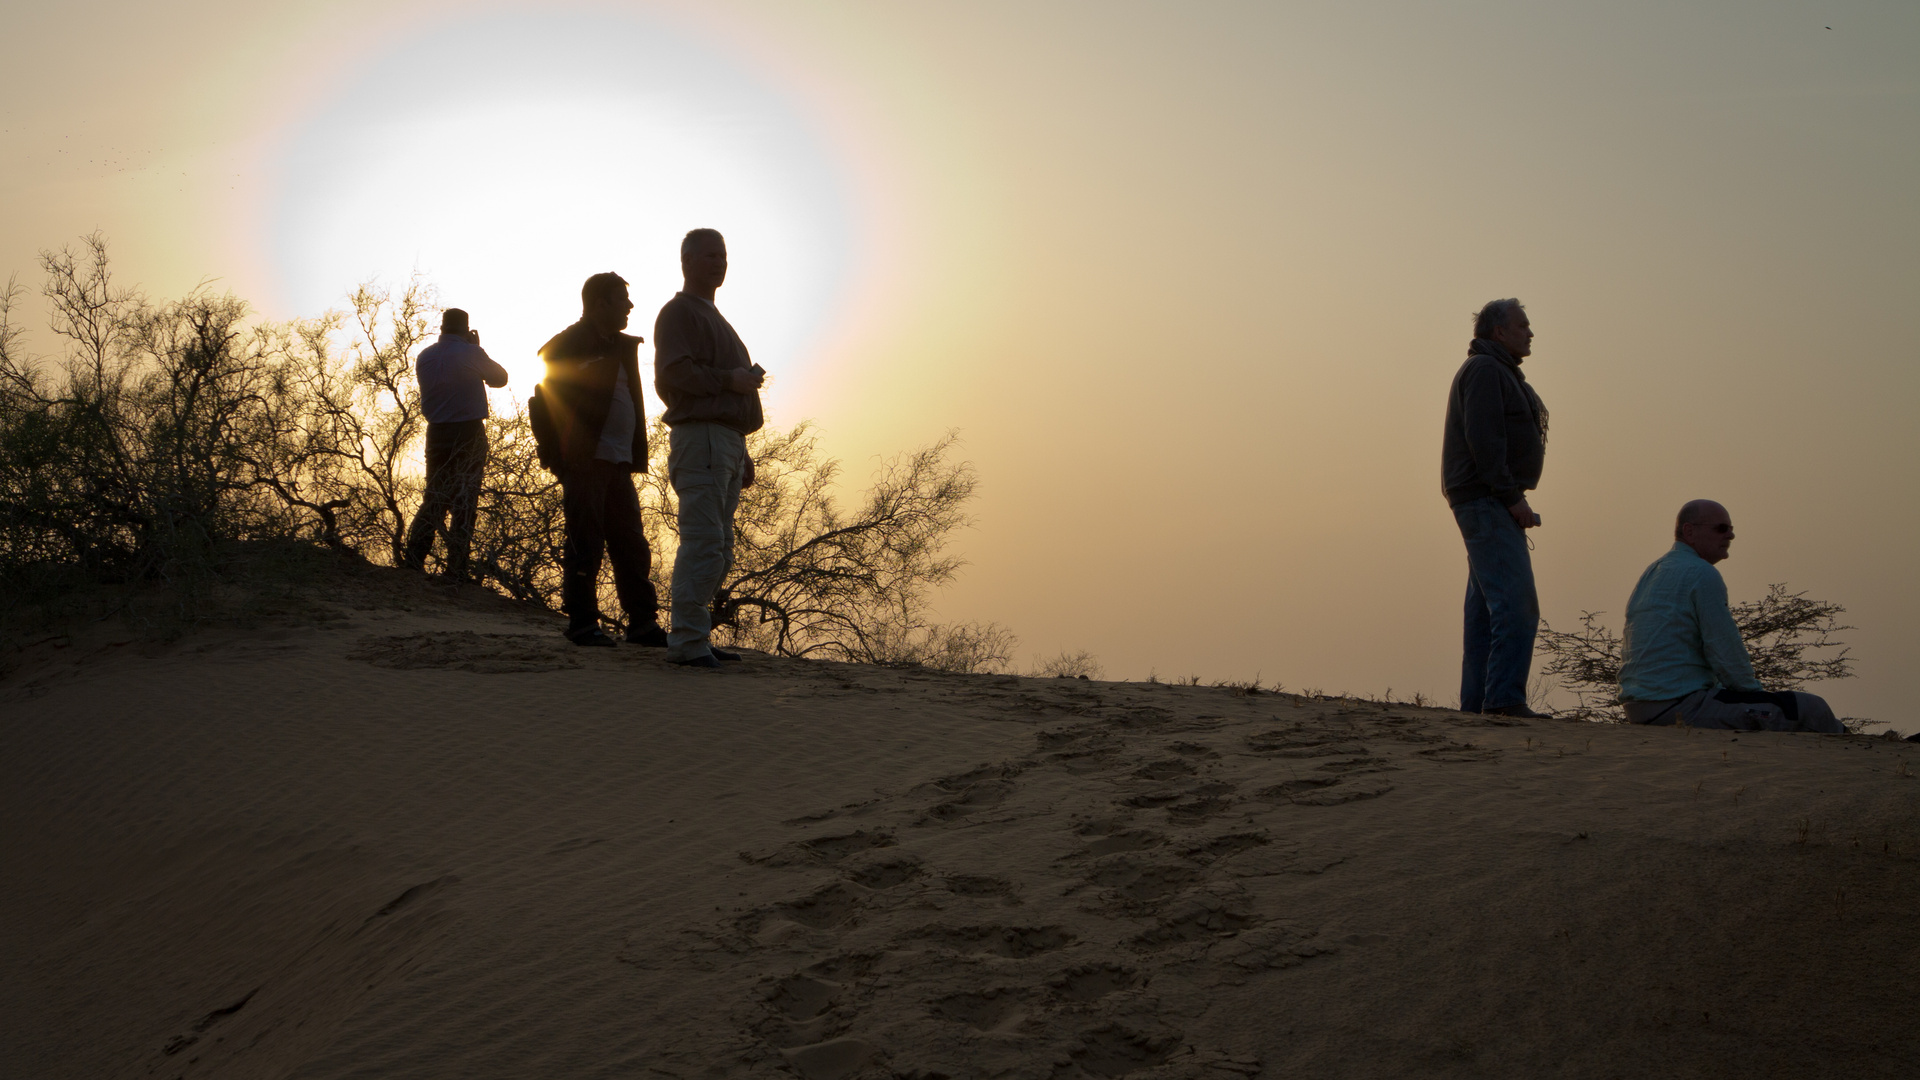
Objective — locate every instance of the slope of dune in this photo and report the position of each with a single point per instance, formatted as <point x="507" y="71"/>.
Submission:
<point x="394" y="832"/>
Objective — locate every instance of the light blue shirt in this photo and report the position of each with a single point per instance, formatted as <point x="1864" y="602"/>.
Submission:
<point x="1681" y="636"/>
<point x="451" y="372"/>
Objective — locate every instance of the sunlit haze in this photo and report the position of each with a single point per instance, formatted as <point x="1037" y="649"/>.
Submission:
<point x="1190" y="280"/>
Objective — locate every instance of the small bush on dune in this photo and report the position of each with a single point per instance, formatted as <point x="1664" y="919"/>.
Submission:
<point x="1069" y="665"/>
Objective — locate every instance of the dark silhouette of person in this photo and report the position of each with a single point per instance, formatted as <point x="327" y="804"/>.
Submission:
<point x="1495" y="442"/>
<point x="452" y="372"/>
<point x="711" y="389"/>
<point x="592" y="391"/>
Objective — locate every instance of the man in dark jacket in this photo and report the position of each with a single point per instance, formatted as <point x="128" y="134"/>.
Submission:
<point x="592" y="393"/>
<point x="712" y="391"/>
<point x="1490" y="458"/>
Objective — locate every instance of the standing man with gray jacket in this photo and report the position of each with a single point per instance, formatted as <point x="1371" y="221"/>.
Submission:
<point x="1495" y="442"/>
<point x="712" y="391"/>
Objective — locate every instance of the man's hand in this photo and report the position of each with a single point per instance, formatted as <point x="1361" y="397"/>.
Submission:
<point x="1523" y="514"/>
<point x="473" y="336"/>
<point x="744" y="380"/>
<point x="746" y="477"/>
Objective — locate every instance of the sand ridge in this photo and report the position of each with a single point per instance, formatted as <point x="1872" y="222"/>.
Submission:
<point x="436" y="842"/>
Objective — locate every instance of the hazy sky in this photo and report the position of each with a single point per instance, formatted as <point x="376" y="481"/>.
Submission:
<point x="1190" y="279"/>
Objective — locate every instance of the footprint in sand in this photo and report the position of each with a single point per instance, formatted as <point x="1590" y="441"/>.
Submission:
<point x="1132" y="884"/>
<point x="1194" y="750"/>
<point x="1113" y="1050"/>
<point x="828" y="849"/>
<point x="1225" y="846"/>
<point x="974" y="798"/>
<point x="999" y="1009"/>
<point x="1324" y="790"/>
<point x="970" y="792"/>
<point x="1188" y="804"/>
<point x="884" y="872"/>
<point x="981" y="885"/>
<point x="1164" y="769"/>
<point x="1200" y="915"/>
<point x="1111" y="836"/>
<point x="1297" y="744"/>
<point x="1089" y="984"/>
<point x="1015" y="942"/>
<point x="828" y="908"/>
<point x="799" y="1012"/>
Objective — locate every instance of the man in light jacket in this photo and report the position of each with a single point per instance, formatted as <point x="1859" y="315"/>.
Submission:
<point x="454" y="373"/>
<point x="1683" y="661"/>
<point x="1495" y="441"/>
<point x="711" y="388"/>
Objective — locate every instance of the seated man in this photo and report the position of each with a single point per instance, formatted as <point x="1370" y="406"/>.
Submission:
<point x="1683" y="661"/>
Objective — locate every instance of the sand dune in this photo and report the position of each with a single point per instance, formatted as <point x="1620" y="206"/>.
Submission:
<point x="394" y="836"/>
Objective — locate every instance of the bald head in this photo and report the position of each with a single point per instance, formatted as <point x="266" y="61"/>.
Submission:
<point x="1706" y="527"/>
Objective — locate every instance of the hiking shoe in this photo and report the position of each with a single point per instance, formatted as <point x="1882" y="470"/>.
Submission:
<point x="649" y="635"/>
<point x="722" y="654"/>
<point x="1518" y="712"/>
<point x="590" y="636"/>
<point x="698" y="661"/>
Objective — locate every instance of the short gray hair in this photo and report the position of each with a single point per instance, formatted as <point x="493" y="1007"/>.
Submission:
<point x="695" y="237"/>
<point x="1496" y="314"/>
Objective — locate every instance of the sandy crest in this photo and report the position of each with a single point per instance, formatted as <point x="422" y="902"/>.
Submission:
<point x="440" y="843"/>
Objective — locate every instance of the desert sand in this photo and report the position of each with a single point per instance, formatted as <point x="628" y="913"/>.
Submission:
<point x="400" y="831"/>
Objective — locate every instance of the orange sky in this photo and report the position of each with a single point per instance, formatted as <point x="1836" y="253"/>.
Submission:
<point x="1190" y="279"/>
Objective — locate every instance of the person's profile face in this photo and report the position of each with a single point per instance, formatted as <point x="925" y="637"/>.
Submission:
<point x="609" y="315"/>
<point x="1710" y="538"/>
<point x="1516" y="334"/>
<point x="706" y="265"/>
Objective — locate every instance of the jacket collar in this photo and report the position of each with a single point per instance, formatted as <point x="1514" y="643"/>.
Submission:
<point x="1488" y="347"/>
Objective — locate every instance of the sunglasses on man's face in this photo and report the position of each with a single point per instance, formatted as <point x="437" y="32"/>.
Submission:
<point x="1723" y="528"/>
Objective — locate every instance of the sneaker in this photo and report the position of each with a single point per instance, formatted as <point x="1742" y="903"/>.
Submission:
<point x="591" y="636"/>
<point x="722" y="654"/>
<point x="698" y="661"/>
<point x="649" y="635"/>
<point x="1518" y="712"/>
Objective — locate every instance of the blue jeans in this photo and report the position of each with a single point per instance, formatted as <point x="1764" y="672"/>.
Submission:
<point x="1503" y="613"/>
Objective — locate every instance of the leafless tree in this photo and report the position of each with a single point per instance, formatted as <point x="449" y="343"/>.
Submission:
<point x="355" y="408"/>
<point x="518" y="534"/>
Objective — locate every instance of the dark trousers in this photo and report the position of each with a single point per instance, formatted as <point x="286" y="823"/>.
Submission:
<point x="603" y="515"/>
<point x="456" y="459"/>
<point x="1502" y="611"/>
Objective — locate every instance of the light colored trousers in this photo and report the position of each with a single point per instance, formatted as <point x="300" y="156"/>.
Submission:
<point x="705" y="466"/>
<point x="1702" y="709"/>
